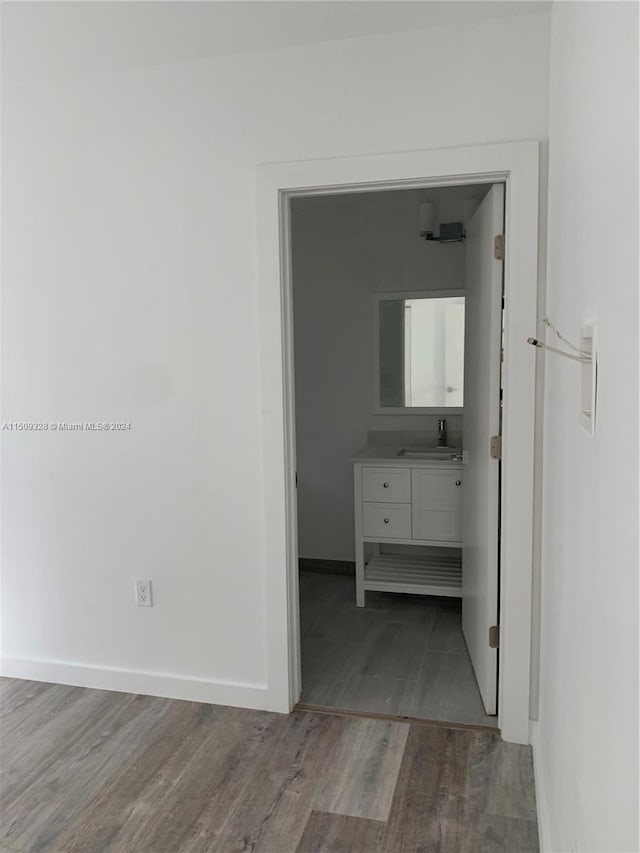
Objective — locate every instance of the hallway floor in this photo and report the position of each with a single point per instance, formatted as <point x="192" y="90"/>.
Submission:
<point x="400" y="655"/>
<point x="91" y="771"/>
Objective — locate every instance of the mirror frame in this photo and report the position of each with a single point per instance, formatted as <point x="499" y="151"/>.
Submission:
<point x="404" y="410"/>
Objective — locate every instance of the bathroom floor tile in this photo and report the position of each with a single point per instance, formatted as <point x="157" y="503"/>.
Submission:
<point x="326" y="665"/>
<point x="446" y="689"/>
<point x="399" y="655"/>
<point x="344" y="624"/>
<point x="446" y="631"/>
<point x="395" y="650"/>
<point x="395" y="607"/>
<point x="375" y="694"/>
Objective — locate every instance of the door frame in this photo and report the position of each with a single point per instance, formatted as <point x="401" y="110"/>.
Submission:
<point x="517" y="165"/>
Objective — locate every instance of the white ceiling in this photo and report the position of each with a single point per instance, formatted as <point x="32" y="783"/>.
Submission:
<point x="44" y="39"/>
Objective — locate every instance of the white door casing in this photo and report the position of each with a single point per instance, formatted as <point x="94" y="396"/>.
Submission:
<point x="517" y="164"/>
<point x="483" y="342"/>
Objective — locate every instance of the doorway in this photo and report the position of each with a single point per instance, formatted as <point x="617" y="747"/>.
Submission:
<point x="379" y="325"/>
<point x="517" y="165"/>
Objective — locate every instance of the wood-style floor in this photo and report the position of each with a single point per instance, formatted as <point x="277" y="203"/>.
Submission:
<point x="85" y="771"/>
<point x="402" y="655"/>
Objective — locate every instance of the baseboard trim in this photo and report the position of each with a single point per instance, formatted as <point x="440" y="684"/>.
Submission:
<point x="542" y="809"/>
<point x="332" y="567"/>
<point x="164" y="685"/>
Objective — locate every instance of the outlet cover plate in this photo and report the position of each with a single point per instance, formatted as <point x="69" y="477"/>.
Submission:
<point x="143" y="593"/>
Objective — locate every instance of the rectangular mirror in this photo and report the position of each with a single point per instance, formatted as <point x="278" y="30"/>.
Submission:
<point x="419" y="352"/>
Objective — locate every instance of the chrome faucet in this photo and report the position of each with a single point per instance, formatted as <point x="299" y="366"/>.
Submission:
<point x="442" y="432"/>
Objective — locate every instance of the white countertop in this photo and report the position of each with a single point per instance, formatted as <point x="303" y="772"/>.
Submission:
<point x="389" y="453"/>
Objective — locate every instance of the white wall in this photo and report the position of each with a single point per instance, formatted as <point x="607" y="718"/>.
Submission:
<point x="130" y="293"/>
<point x="587" y="736"/>
<point x="345" y="248"/>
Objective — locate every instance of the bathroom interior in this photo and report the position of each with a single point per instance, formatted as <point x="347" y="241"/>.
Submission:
<point x="379" y="282"/>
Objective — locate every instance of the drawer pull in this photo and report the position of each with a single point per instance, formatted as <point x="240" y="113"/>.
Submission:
<point x="458" y="482"/>
<point x="386" y="521"/>
<point x="385" y="485"/>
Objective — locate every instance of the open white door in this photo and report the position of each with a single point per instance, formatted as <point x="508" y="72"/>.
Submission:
<point x="483" y="342"/>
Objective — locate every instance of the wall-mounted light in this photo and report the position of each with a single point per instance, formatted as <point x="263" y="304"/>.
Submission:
<point x="448" y="232"/>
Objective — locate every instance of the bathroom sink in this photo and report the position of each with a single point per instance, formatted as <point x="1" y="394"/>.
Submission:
<point x="446" y="453"/>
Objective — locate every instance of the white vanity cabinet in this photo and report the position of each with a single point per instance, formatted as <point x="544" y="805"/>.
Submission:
<point x="408" y="502"/>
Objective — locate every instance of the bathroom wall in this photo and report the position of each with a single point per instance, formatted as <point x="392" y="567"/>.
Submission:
<point x="345" y="249"/>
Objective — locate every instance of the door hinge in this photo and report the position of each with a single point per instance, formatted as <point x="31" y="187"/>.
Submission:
<point x="498" y="247"/>
<point x="494" y="637"/>
<point x="495" y="448"/>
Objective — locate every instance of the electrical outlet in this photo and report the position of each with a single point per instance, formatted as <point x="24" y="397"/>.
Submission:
<point x="143" y="593"/>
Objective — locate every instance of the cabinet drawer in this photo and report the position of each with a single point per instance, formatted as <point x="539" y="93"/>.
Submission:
<point x="390" y="485"/>
<point x="389" y="521"/>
